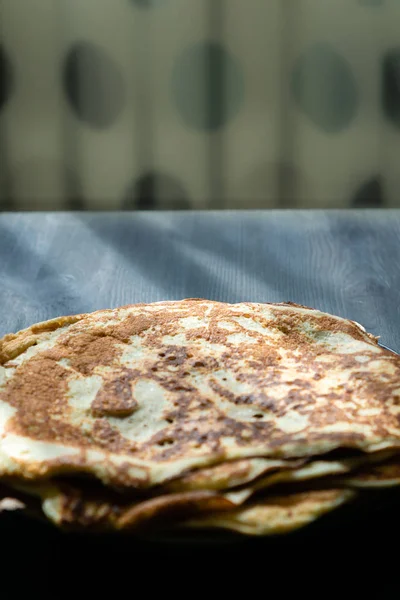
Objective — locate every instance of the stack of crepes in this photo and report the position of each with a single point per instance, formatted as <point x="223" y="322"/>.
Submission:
<point x="195" y="414"/>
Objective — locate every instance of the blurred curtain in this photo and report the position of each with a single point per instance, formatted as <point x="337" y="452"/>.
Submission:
<point x="175" y="104"/>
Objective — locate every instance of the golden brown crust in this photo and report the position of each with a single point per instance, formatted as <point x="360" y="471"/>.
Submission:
<point x="196" y="420"/>
<point x="85" y="505"/>
<point x="277" y="514"/>
<point x="14" y="344"/>
<point x="172" y="507"/>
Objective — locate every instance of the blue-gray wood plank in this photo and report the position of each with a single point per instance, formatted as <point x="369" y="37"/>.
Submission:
<point x="344" y="262"/>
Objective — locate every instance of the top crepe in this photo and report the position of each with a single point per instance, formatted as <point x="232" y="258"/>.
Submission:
<point x="142" y="394"/>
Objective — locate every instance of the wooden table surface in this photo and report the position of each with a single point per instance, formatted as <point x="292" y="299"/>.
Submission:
<point x="347" y="263"/>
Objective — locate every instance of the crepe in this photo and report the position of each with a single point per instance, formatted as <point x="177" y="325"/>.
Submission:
<point x="330" y="470"/>
<point x="80" y="504"/>
<point x="83" y="503"/>
<point x="231" y="474"/>
<point x="376" y="476"/>
<point x="277" y="514"/>
<point x="8" y="503"/>
<point x="73" y="505"/>
<point x="144" y="394"/>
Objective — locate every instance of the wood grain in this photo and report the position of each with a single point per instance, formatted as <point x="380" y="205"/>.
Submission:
<point x="347" y="263"/>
